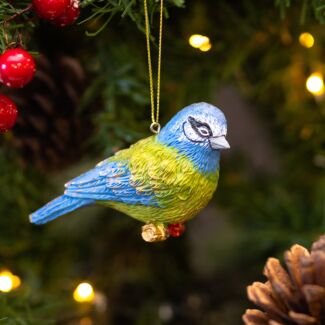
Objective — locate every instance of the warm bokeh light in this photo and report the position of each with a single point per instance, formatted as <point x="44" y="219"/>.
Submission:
<point x="84" y="293"/>
<point x="205" y="47"/>
<point x="197" y="41"/>
<point x="86" y="321"/>
<point x="8" y="281"/>
<point x="16" y="281"/>
<point x="306" y="40"/>
<point x="306" y="132"/>
<point x="315" y="84"/>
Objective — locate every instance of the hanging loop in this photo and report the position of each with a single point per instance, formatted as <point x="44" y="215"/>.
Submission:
<point x="155" y="127"/>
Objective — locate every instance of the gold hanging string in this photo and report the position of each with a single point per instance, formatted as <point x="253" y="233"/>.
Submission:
<point x="155" y="126"/>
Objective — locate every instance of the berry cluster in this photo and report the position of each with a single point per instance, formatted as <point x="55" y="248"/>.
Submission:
<point x="17" y="66"/>
<point x="59" y="12"/>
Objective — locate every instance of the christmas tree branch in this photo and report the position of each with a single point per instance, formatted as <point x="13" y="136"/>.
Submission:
<point x="14" y="20"/>
<point x="97" y="11"/>
<point x="317" y="7"/>
<point x="101" y="13"/>
<point x="18" y="13"/>
<point x="105" y="11"/>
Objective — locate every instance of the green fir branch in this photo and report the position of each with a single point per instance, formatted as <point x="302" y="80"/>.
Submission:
<point x="315" y="6"/>
<point x="319" y="10"/>
<point x="99" y="12"/>
<point x="283" y="5"/>
<point x="104" y="11"/>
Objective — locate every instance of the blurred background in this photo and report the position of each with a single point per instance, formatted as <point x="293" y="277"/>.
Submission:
<point x="262" y="63"/>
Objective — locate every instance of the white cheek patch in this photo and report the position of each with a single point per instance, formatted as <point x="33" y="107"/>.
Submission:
<point x="191" y="134"/>
<point x="220" y="130"/>
<point x="216" y="130"/>
<point x="224" y="130"/>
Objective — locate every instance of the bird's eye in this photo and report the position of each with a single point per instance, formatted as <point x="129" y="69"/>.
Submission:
<point x="201" y="128"/>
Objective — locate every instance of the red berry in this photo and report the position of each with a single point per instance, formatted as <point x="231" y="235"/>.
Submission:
<point x="176" y="229"/>
<point x="8" y="113"/>
<point x="69" y="16"/>
<point x="17" y="68"/>
<point x="50" y="9"/>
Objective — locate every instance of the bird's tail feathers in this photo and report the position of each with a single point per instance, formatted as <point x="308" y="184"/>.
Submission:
<point x="57" y="207"/>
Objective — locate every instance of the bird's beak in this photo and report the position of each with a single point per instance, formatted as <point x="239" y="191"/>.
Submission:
<point x="219" y="143"/>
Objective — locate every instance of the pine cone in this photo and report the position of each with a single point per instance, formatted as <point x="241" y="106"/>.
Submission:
<point x="50" y="129"/>
<point x="295" y="296"/>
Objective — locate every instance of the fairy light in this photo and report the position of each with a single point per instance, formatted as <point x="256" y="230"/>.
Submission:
<point x="315" y="84"/>
<point x="16" y="281"/>
<point x="84" y="293"/>
<point x="200" y="42"/>
<point x="306" y="40"/>
<point x="205" y="47"/>
<point x="8" y="281"/>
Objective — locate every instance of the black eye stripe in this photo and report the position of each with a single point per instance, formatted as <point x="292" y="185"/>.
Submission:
<point x="196" y="125"/>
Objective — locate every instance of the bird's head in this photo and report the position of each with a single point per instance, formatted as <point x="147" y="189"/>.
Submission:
<point x="197" y="131"/>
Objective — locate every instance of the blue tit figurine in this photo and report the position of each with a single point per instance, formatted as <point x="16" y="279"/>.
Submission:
<point x="162" y="181"/>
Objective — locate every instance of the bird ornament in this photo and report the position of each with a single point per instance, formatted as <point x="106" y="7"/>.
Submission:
<point x="163" y="180"/>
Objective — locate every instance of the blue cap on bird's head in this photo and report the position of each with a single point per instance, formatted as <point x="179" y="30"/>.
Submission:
<point x="201" y="123"/>
<point x="198" y="131"/>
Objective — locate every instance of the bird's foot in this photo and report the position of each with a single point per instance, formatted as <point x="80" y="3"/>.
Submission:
<point x="158" y="232"/>
<point x="154" y="232"/>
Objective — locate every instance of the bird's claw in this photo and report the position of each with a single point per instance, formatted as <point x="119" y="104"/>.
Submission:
<point x="158" y="232"/>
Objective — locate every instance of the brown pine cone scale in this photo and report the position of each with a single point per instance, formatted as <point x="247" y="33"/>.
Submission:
<point x="51" y="129"/>
<point x="291" y="296"/>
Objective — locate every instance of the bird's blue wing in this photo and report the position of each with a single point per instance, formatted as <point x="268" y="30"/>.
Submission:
<point x="110" y="181"/>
